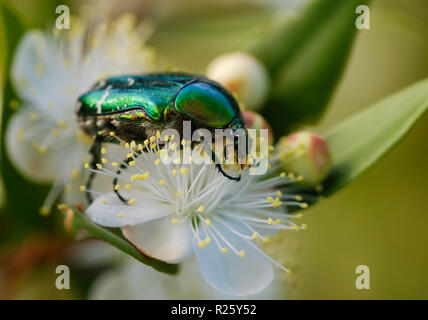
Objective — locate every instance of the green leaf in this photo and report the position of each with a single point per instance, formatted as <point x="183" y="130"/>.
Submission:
<point x="75" y="220"/>
<point x="305" y="56"/>
<point x="361" y="141"/>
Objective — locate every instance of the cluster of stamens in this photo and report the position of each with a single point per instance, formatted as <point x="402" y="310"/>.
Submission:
<point x="198" y="194"/>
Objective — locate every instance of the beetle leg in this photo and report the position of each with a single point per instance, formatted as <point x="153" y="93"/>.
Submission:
<point x="123" y="166"/>
<point x="220" y="168"/>
<point x="95" y="151"/>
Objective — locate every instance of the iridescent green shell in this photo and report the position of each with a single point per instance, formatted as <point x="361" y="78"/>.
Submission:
<point x="193" y="96"/>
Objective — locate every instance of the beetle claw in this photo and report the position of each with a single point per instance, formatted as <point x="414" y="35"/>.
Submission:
<point x="219" y="167"/>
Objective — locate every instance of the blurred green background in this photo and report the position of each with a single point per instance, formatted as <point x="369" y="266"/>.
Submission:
<point x="380" y="220"/>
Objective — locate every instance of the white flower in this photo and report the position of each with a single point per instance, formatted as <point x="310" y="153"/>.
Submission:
<point x="170" y="212"/>
<point x="49" y="73"/>
<point x="134" y="280"/>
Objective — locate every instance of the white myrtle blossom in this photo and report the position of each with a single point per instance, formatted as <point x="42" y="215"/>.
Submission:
<point x="172" y="211"/>
<point x="134" y="280"/>
<point x="49" y="72"/>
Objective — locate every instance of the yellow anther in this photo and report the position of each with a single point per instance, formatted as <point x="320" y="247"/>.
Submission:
<point x="224" y="250"/>
<point x="34" y="116"/>
<point x="146" y="142"/>
<point x="133" y="144"/>
<point x="291" y="175"/>
<point x="114" y="164"/>
<point x="298" y="216"/>
<point x="132" y="201"/>
<point x="270" y="199"/>
<point x="55" y="132"/>
<point x="175" y="221"/>
<point x="276" y="203"/>
<point x="86" y="165"/>
<point x="271" y="148"/>
<point x="278" y="221"/>
<point x="146" y="175"/>
<point x="103" y="201"/>
<point x="282" y="174"/>
<point x="129" y="155"/>
<point x="132" y="163"/>
<point x="153" y="146"/>
<point x="74" y="174"/>
<point x="177" y="161"/>
<point x="200" y="209"/>
<point x="279" y="193"/>
<point x="207" y="222"/>
<point x="161" y="182"/>
<point x="201" y="244"/>
<point x="179" y="193"/>
<point x="254" y="235"/>
<point x="266" y="239"/>
<point x="242" y="254"/>
<point x="42" y="150"/>
<point x="133" y="177"/>
<point x="127" y="145"/>
<point x="103" y="150"/>
<point x="304" y="205"/>
<point x="140" y="147"/>
<point x="44" y="211"/>
<point x="117" y="187"/>
<point x="157" y="162"/>
<point x="183" y="170"/>
<point x="298" y="198"/>
<point x="99" y="166"/>
<point x="300" y="178"/>
<point x="127" y="186"/>
<point x="174" y="172"/>
<point x="120" y="214"/>
<point x="304" y="226"/>
<point x="152" y="139"/>
<point x="82" y="188"/>
<point x="158" y="134"/>
<point x="173" y="146"/>
<point x="111" y="134"/>
<point x="104" y="160"/>
<point x="270" y="221"/>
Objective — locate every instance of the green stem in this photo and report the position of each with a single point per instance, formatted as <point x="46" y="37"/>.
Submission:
<point x="75" y="220"/>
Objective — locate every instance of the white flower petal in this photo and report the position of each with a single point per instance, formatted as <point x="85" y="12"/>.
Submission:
<point x="229" y="272"/>
<point x="33" y="61"/>
<point x="162" y="240"/>
<point x="34" y="165"/>
<point x="114" y="213"/>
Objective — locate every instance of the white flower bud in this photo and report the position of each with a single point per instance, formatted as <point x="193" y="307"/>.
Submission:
<point x="243" y="75"/>
<point x="306" y="154"/>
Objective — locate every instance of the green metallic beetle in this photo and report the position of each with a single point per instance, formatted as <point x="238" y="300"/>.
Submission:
<point x="135" y="107"/>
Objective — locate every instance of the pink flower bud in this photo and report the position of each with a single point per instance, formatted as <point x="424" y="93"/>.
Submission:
<point x="306" y="154"/>
<point x="253" y="120"/>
